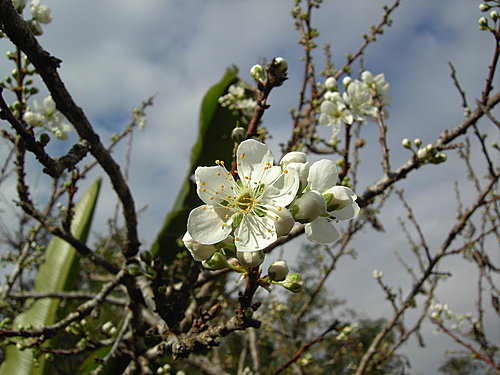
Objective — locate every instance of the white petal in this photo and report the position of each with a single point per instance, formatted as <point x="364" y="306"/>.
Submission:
<point x="253" y="156"/>
<point x="323" y="174"/>
<point x="208" y="225"/>
<point x="254" y="233"/>
<point x="213" y="184"/>
<point x="347" y="213"/>
<point x="283" y="190"/>
<point x="321" y="231"/>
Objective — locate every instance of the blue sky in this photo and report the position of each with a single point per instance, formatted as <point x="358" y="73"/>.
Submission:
<point x="117" y="53"/>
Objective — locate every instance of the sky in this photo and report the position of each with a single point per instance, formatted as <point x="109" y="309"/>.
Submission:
<point x="117" y="53"/>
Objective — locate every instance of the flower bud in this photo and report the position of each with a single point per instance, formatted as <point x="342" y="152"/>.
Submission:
<point x="293" y="157"/>
<point x="494" y="15"/>
<point x="422" y="153"/>
<point x="484" y="7"/>
<point x="216" y="262"/>
<point x="238" y="134"/>
<point x="278" y="270"/>
<point x="280" y="64"/>
<point x="346" y="81"/>
<point x="284" y="222"/>
<point x="258" y="73"/>
<point x="250" y="258"/>
<point x="44" y="139"/>
<point x="198" y="251"/>
<point x="308" y="207"/>
<point x="302" y="171"/>
<point x="377" y="274"/>
<point x="483" y="23"/>
<point x="293" y="282"/>
<point x="406" y="143"/>
<point x="331" y="84"/>
<point x="417" y="142"/>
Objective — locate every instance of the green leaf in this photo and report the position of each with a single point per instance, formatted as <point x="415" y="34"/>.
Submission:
<point x="58" y="273"/>
<point x="214" y="142"/>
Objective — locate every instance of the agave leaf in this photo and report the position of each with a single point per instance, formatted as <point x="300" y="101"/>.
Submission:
<point x="214" y="142"/>
<point x="57" y="273"/>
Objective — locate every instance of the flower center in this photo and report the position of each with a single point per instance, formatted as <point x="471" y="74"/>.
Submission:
<point x="245" y="201"/>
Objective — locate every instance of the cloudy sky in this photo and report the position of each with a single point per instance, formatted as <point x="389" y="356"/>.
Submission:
<point x="117" y="53"/>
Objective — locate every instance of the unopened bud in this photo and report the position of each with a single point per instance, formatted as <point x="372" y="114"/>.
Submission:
<point x="483" y="23"/>
<point x="293" y="282"/>
<point x="250" y="258"/>
<point x="293" y="157"/>
<point x="494" y="15"/>
<point x="280" y="65"/>
<point x="417" y="142"/>
<point x="198" y="251"/>
<point x="421" y="153"/>
<point x="258" y="73"/>
<point x="238" y="134"/>
<point x="44" y="139"/>
<point x="406" y="143"/>
<point x="278" y="270"/>
<point x="331" y="84"/>
<point x="308" y="207"/>
<point x="216" y="262"/>
<point x="484" y="7"/>
<point x="346" y="81"/>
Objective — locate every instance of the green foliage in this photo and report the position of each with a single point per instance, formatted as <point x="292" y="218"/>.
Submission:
<point x="214" y="142"/>
<point x="57" y="273"/>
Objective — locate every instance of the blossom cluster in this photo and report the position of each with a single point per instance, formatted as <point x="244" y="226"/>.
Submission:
<point x="238" y="100"/>
<point x="40" y="14"/>
<point x="49" y="118"/>
<point x="361" y="100"/>
<point x="249" y="213"/>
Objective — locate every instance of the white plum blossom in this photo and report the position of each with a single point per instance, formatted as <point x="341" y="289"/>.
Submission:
<point x="48" y="117"/>
<point x="338" y="202"/>
<point x="334" y="112"/>
<point x="237" y="100"/>
<point x="250" y="207"/>
<point x="41" y="13"/>
<point x="360" y="100"/>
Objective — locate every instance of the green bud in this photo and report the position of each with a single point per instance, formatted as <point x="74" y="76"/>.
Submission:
<point x="216" y="262"/>
<point x="147" y="257"/>
<point x="258" y="73"/>
<point x="293" y="282"/>
<point x="44" y="139"/>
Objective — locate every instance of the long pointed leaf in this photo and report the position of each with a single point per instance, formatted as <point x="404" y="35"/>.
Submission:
<point x="57" y="273"/>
